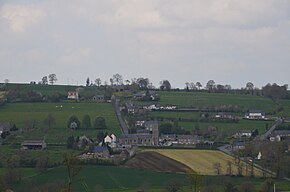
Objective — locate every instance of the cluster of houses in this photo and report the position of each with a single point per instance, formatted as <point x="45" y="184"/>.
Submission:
<point x="74" y="95"/>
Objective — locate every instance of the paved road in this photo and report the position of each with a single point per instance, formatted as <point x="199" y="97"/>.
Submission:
<point x="123" y="124"/>
<point x="268" y="133"/>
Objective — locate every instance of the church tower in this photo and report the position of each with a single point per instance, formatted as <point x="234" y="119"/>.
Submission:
<point x="155" y="133"/>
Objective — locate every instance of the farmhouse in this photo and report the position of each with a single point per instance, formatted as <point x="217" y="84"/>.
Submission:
<point x="74" y="95"/>
<point x="279" y="135"/>
<point x="224" y="115"/>
<point x="6" y="127"/>
<point x="243" y="133"/>
<point x="34" y="144"/>
<point x="255" y="114"/>
<point x="99" y="98"/>
<point x="131" y="108"/>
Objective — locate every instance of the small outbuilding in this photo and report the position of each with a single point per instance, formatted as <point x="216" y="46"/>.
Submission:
<point x="34" y="144"/>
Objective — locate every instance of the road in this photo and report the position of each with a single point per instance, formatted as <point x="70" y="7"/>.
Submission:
<point x="123" y="124"/>
<point x="268" y="133"/>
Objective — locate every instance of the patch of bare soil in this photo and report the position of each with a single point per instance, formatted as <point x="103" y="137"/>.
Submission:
<point x="156" y="162"/>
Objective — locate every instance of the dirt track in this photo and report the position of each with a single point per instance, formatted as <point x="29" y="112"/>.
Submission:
<point x="157" y="162"/>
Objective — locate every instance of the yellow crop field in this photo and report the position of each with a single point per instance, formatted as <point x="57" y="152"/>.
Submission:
<point x="203" y="161"/>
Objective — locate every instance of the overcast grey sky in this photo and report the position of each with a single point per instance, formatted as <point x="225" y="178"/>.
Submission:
<point x="229" y="41"/>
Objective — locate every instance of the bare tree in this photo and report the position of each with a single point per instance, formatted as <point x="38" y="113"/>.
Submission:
<point x="229" y="168"/>
<point x="217" y="168"/>
<point x="73" y="168"/>
<point x="49" y="121"/>
<point x="118" y="79"/>
<point x="98" y="82"/>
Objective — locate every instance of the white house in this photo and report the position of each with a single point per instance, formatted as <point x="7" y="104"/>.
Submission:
<point x="114" y="138"/>
<point x="108" y="139"/>
<point x="73" y="95"/>
<point x="255" y="114"/>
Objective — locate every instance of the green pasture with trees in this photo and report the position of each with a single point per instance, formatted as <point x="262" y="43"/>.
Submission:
<point x="50" y="120"/>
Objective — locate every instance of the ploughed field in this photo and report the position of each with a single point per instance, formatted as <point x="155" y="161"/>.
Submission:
<point x="156" y="162"/>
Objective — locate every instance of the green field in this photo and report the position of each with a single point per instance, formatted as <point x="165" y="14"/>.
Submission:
<point x="202" y="160"/>
<point x="230" y="128"/>
<point x="43" y="89"/>
<point x="22" y="114"/>
<point x="116" y="179"/>
<point x="212" y="100"/>
<point x="110" y="178"/>
<point x="171" y="114"/>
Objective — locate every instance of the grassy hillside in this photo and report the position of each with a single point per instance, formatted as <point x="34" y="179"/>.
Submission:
<point x="109" y="178"/>
<point x="198" y="99"/>
<point x="230" y="128"/>
<point x="115" y="179"/>
<point x="23" y="114"/>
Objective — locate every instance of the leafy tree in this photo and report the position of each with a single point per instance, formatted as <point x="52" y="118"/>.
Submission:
<point x="44" y="80"/>
<point x="195" y="180"/>
<point x="42" y="164"/>
<point x="247" y="187"/>
<point x="86" y="123"/>
<point x="275" y="91"/>
<point x="165" y="85"/>
<point x="73" y="120"/>
<point x="268" y="186"/>
<point x="143" y="83"/>
<point x="70" y="143"/>
<point x="173" y="186"/>
<point x="250" y="86"/>
<point x="52" y="78"/>
<point x="210" y="85"/>
<point x="198" y="85"/>
<point x="229" y="187"/>
<point x="100" y="123"/>
<point x="49" y="121"/>
<point x="165" y="128"/>
<point x="100" y="136"/>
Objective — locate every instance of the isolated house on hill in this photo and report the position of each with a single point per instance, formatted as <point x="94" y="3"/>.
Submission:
<point x="224" y="115"/>
<point x="74" y="95"/>
<point x="255" y="114"/>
